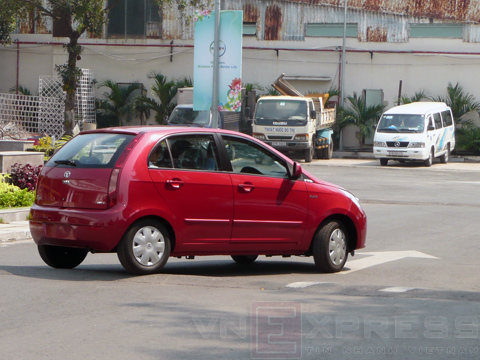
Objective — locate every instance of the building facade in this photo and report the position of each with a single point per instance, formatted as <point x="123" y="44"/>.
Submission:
<point x="424" y="44"/>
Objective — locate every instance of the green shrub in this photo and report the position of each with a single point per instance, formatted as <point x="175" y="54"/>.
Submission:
<point x="13" y="196"/>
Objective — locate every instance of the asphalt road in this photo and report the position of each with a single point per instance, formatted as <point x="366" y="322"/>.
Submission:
<point x="412" y="293"/>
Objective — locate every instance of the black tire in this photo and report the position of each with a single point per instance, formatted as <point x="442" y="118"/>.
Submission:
<point x="329" y="150"/>
<point x="60" y="257"/>
<point x="383" y="162"/>
<point x="445" y="157"/>
<point x="330" y="247"/>
<point x="429" y="161"/>
<point x="308" y="154"/>
<point x="145" y="248"/>
<point x="244" y="259"/>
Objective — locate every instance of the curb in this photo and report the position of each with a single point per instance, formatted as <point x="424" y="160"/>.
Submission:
<point x="13" y="215"/>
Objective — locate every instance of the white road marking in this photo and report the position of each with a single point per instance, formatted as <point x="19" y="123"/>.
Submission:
<point x="302" y="284"/>
<point x="382" y="257"/>
<point x="397" y="289"/>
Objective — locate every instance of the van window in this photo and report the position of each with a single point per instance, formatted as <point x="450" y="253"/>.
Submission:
<point x="438" y="121"/>
<point x="401" y="123"/>
<point x="447" y="118"/>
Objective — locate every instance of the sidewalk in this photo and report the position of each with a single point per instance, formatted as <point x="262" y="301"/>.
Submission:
<point x="14" y="225"/>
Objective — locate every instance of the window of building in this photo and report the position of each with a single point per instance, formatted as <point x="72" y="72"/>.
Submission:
<point x="331" y="30"/>
<point x="134" y="19"/>
<point x="454" y="31"/>
<point x="249" y="29"/>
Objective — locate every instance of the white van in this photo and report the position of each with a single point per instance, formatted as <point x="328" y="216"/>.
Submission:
<point x="416" y="131"/>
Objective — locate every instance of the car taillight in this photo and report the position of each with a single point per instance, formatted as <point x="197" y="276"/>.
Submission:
<point x="114" y="177"/>
<point x="112" y="188"/>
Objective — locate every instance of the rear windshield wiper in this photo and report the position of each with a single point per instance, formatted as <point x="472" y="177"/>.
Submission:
<point x="65" y="162"/>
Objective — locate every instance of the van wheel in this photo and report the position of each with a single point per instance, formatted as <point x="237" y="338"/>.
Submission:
<point x="445" y="157"/>
<point x="244" y="259"/>
<point x="429" y="161"/>
<point x="145" y="248"/>
<point x="60" y="257"/>
<point x="330" y="247"/>
<point x="383" y="162"/>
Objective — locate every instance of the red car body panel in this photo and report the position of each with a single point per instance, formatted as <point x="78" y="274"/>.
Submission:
<point x="209" y="212"/>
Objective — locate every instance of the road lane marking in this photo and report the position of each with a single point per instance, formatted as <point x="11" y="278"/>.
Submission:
<point x="397" y="289"/>
<point x="382" y="257"/>
<point x="303" y="284"/>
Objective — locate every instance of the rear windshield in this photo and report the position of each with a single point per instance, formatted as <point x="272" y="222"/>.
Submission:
<point x="97" y="150"/>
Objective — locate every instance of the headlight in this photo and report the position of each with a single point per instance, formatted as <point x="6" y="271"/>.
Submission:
<point x="352" y="197"/>
<point x="379" y="144"/>
<point x="301" y="137"/>
<point x="416" y="145"/>
<point x="259" y="136"/>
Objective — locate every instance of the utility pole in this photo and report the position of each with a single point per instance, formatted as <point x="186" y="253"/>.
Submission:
<point x="216" y="61"/>
<point x="342" y="70"/>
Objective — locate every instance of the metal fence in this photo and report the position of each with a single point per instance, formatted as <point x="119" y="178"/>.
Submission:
<point x="23" y="115"/>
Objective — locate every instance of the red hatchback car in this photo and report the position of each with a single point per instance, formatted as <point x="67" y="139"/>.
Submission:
<point x="148" y="193"/>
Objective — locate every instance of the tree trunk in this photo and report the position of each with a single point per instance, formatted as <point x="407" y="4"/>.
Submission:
<point x="71" y="77"/>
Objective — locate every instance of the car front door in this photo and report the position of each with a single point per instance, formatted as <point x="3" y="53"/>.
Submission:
<point x="185" y="170"/>
<point x="269" y="207"/>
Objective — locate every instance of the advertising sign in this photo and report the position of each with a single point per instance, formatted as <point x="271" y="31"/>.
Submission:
<point x="230" y="60"/>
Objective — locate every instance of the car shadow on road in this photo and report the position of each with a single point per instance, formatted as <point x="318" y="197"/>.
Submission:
<point x="205" y="268"/>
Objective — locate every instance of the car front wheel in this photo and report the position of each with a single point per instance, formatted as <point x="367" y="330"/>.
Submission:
<point x="330" y="247"/>
<point x="145" y="248"/>
<point x="60" y="257"/>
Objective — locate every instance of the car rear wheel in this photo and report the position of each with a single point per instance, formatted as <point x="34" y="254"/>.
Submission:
<point x="445" y="157"/>
<point x="429" y="161"/>
<point x="244" y="259"/>
<point x="145" y="248"/>
<point x="60" y="257"/>
<point x="330" y="247"/>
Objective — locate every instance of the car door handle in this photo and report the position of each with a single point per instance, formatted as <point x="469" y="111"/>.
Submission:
<point x="175" y="183"/>
<point x="247" y="187"/>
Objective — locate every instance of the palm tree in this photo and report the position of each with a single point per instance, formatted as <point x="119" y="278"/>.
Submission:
<point x="165" y="91"/>
<point x="118" y="101"/>
<point x="459" y="101"/>
<point x="360" y="115"/>
<point x="419" y="96"/>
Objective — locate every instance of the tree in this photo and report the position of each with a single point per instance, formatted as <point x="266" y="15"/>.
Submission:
<point x="78" y="17"/>
<point x="460" y="101"/>
<point x="360" y="115"/>
<point x="119" y="101"/>
<point x="165" y="90"/>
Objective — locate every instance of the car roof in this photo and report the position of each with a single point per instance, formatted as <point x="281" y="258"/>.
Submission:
<point x="419" y="108"/>
<point x="162" y="129"/>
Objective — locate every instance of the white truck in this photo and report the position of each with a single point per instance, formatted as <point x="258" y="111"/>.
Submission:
<point x="184" y="115"/>
<point x="294" y="122"/>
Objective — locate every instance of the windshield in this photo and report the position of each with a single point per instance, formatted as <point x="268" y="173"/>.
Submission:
<point x="401" y="123"/>
<point x="277" y="112"/>
<point x="187" y="116"/>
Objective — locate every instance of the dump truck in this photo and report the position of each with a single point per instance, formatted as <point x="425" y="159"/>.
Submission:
<point x="293" y="122"/>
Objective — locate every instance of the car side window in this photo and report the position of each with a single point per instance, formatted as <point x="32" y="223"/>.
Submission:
<point x="194" y="152"/>
<point x="438" y="120"/>
<point x="447" y="118"/>
<point x="247" y="157"/>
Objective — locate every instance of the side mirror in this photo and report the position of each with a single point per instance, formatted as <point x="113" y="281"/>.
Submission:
<point x="430" y="127"/>
<point x="374" y="127"/>
<point x="313" y="114"/>
<point x="295" y="170"/>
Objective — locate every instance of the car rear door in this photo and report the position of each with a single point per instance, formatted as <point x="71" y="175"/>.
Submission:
<point x="186" y="173"/>
<point x="269" y="208"/>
